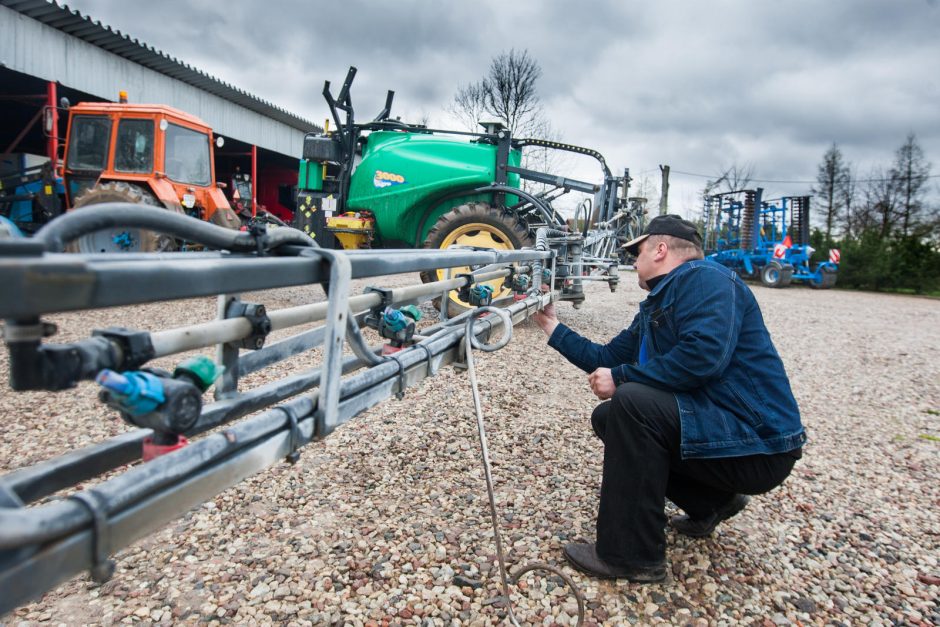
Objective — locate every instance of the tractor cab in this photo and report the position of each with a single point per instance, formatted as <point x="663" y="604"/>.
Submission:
<point x="152" y="154"/>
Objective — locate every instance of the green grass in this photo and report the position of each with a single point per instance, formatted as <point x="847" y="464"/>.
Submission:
<point x="928" y="437"/>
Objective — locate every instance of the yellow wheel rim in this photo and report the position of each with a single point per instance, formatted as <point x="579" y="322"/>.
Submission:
<point x="480" y="235"/>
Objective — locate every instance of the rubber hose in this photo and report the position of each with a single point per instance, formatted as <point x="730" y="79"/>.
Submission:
<point x="75" y="224"/>
<point x="503" y="315"/>
<point x="358" y="343"/>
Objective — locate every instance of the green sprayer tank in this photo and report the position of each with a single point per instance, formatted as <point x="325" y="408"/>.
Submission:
<point x="408" y="180"/>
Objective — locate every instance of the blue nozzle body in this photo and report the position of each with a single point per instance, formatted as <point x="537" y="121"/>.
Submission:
<point x="137" y="393"/>
<point x="395" y="320"/>
<point x="481" y="295"/>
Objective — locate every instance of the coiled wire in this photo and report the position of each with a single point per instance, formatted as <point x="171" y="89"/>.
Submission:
<point x="471" y="342"/>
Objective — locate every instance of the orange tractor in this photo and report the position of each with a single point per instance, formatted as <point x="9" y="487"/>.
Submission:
<point x="145" y="154"/>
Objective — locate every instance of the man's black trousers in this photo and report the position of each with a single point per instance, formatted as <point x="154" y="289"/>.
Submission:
<point x="641" y="432"/>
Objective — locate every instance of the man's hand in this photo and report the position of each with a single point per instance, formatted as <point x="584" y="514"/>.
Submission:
<point x="546" y="319"/>
<point x="602" y="383"/>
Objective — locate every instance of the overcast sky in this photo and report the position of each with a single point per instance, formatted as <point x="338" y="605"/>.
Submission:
<point x="695" y="85"/>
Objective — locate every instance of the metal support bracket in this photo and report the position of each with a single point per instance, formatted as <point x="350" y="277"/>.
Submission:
<point x="227" y="354"/>
<point x="327" y="413"/>
<point x="102" y="567"/>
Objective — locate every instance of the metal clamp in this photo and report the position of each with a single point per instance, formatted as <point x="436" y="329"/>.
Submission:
<point x="257" y="315"/>
<point x="470" y="279"/>
<point x="259" y="230"/>
<point x="400" y="394"/>
<point x="385" y="293"/>
<point x="102" y="567"/>
<point x="18" y="332"/>
<point x="430" y="358"/>
<point x="507" y="280"/>
<point x="296" y="437"/>
<point x="374" y="318"/>
<point x="136" y="346"/>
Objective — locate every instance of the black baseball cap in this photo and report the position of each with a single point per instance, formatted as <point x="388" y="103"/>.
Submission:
<point x="666" y="225"/>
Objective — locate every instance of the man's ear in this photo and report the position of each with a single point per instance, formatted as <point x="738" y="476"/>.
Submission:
<point x="662" y="249"/>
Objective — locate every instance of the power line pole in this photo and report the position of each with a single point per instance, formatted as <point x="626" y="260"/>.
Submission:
<point x="664" y="197"/>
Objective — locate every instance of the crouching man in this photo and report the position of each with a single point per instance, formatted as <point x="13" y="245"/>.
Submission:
<point x="697" y="406"/>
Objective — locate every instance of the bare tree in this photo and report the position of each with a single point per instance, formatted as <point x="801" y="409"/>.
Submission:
<point x="849" y="194"/>
<point x="507" y="92"/>
<point x="510" y="90"/>
<point x="831" y="177"/>
<point x="469" y="106"/>
<point x="880" y="207"/>
<point x="909" y="176"/>
<point x="543" y="159"/>
<point x="644" y="187"/>
<point x="731" y="179"/>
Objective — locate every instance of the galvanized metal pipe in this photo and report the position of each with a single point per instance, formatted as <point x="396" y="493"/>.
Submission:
<point x="202" y="335"/>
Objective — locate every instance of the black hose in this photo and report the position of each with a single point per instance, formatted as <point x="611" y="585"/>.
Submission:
<point x="545" y="210"/>
<point x="74" y="224"/>
<point x="588" y="210"/>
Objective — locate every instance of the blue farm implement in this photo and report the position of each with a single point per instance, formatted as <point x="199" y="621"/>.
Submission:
<point x="764" y="240"/>
<point x="30" y="195"/>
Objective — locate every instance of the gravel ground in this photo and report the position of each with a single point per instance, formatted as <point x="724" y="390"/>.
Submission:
<point x="386" y="522"/>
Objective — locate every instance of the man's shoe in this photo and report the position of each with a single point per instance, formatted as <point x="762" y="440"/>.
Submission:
<point x="584" y="557"/>
<point x="701" y="527"/>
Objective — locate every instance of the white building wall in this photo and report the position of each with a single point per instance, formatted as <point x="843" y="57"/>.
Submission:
<point x="31" y="47"/>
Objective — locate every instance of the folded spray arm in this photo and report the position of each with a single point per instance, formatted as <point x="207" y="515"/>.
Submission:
<point x="42" y="541"/>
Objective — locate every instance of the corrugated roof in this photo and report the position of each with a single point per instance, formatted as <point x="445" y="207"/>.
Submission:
<point x="94" y="32"/>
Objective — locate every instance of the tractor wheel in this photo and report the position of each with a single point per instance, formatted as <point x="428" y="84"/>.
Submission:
<point x="775" y="274"/>
<point x="826" y="281"/>
<point x="480" y="225"/>
<point x="121" y="239"/>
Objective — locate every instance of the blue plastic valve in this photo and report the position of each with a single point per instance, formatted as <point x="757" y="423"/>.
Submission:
<point x="395" y="320"/>
<point x="137" y="393"/>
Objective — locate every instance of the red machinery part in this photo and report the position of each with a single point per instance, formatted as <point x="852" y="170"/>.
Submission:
<point x="152" y="450"/>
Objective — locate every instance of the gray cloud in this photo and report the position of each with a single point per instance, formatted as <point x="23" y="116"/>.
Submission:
<point x="695" y="85"/>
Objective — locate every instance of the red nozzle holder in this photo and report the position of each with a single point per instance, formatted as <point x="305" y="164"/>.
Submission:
<point x="388" y="349"/>
<point x="152" y="450"/>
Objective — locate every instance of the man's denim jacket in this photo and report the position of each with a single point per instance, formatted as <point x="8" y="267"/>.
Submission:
<point x="709" y="346"/>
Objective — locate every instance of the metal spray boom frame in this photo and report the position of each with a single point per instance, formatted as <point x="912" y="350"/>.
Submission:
<point x="46" y="541"/>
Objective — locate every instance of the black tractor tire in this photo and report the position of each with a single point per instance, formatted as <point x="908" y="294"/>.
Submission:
<point x="827" y="281"/>
<point x="776" y="274"/>
<point x="475" y="224"/>
<point x="121" y="240"/>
